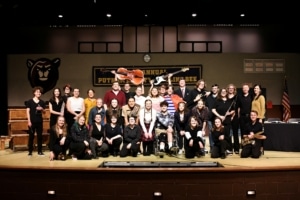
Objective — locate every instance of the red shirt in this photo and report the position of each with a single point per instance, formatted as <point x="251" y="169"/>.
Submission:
<point x="109" y="95"/>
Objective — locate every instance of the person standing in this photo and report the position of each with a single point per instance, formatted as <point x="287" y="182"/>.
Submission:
<point x="199" y="92"/>
<point x="147" y="122"/>
<point x="56" y="106"/>
<point x="89" y="103"/>
<point x="232" y="96"/>
<point x="114" y="93"/>
<point x="183" y="91"/>
<point x="75" y="106"/>
<point x="210" y="102"/>
<point x="68" y="117"/>
<point x="34" y="110"/>
<point x="244" y="103"/>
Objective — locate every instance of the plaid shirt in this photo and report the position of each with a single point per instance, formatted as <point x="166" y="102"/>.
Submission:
<point x="163" y="121"/>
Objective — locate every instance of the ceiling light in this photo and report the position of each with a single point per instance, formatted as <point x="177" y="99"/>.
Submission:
<point x="242" y="15"/>
<point x="60" y="16"/>
<point x="194" y="14"/>
<point x="108" y="15"/>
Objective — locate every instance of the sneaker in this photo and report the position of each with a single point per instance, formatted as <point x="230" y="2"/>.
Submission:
<point x="229" y="152"/>
<point x="41" y="154"/>
<point x="180" y="152"/>
<point x="74" y="157"/>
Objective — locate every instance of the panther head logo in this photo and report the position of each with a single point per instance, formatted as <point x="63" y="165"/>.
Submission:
<point x="43" y="72"/>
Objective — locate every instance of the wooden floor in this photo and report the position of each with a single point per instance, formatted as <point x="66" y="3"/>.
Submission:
<point x="270" y="160"/>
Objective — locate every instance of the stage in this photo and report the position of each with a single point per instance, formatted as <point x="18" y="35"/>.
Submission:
<point x="276" y="175"/>
<point x="270" y="160"/>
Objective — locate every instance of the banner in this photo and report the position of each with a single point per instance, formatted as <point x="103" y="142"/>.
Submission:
<point x="103" y="76"/>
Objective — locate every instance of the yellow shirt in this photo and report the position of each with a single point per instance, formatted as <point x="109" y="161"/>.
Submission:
<point x="259" y="105"/>
<point x="89" y="104"/>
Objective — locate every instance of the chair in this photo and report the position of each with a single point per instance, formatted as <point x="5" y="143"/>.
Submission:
<point x="294" y="120"/>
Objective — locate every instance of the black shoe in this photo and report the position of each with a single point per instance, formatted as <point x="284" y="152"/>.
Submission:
<point x="41" y="153"/>
<point x="223" y="156"/>
<point x="30" y="154"/>
<point x="115" y="154"/>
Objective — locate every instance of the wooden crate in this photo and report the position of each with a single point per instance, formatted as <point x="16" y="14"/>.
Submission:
<point x="18" y="128"/>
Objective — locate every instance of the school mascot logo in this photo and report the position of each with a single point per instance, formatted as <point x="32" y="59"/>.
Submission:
<point x="43" y="72"/>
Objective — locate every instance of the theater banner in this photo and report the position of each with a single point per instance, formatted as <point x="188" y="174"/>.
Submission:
<point x="104" y="76"/>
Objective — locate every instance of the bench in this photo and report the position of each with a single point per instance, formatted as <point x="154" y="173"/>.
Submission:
<point x="18" y="128"/>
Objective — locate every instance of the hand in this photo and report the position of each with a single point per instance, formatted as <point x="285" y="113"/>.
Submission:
<point x="128" y="146"/>
<point x="191" y="143"/>
<point x="51" y="156"/>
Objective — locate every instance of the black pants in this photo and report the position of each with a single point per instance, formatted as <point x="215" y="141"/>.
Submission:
<point x="37" y="128"/>
<point x="252" y="150"/>
<point x="235" y="133"/>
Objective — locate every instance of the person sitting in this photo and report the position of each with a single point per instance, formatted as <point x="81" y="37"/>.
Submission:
<point x="132" y="139"/>
<point x="164" y="128"/>
<point x="217" y="135"/>
<point x="79" y="145"/>
<point x="58" y="143"/>
<point x="193" y="139"/>
<point x="252" y="140"/>
<point x="96" y="133"/>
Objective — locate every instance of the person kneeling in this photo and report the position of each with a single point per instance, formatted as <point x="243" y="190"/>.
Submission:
<point x="252" y="140"/>
<point x="194" y="143"/>
<point x="132" y="137"/>
<point x="217" y="135"/>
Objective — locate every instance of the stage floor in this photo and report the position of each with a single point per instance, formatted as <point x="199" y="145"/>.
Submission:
<point x="270" y="160"/>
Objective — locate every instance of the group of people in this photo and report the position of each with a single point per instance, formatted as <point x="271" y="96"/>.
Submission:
<point x="165" y="120"/>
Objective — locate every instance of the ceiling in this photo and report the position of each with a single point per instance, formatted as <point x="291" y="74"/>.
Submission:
<point x="93" y="12"/>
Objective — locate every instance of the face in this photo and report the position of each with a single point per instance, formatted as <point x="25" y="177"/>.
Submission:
<point x="170" y="90"/>
<point x="99" y="103"/>
<point x="215" y="89"/>
<point x="201" y="85"/>
<point x="81" y="120"/>
<point x="76" y="92"/>
<point x="115" y="86"/>
<point x="245" y="89"/>
<point x="162" y="90"/>
<point x="98" y="118"/>
<point x="114" y="103"/>
<point x="218" y="123"/>
<point x="154" y="91"/>
<point x="200" y="104"/>
<point x="56" y="92"/>
<point x="113" y="120"/>
<point x="126" y="87"/>
<point x="138" y="91"/>
<point x="223" y="93"/>
<point x="193" y="122"/>
<point x="131" y="102"/>
<point x="37" y="93"/>
<point x="256" y="89"/>
<point x="91" y="94"/>
<point x="253" y="116"/>
<point x="164" y="108"/>
<point x="182" y="83"/>
<point x="61" y="121"/>
<point x="148" y="105"/>
<point x="67" y="90"/>
<point x="181" y="107"/>
<point x="231" y="89"/>
<point x="131" y="121"/>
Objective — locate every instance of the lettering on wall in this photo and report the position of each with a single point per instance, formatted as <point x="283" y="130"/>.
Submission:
<point x="103" y="76"/>
<point x="43" y="72"/>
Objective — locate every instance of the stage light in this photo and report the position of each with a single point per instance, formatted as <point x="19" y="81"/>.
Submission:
<point x="251" y="193"/>
<point x="51" y="193"/>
